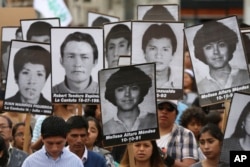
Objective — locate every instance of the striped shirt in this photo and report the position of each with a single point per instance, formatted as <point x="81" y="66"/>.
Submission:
<point x="41" y="158"/>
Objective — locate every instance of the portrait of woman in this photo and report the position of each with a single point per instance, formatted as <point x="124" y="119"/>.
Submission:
<point x="217" y="51"/>
<point x="31" y="67"/>
<point x="239" y="139"/>
<point x="126" y="89"/>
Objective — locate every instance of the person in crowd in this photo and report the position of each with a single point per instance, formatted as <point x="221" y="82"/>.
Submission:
<point x="178" y="143"/>
<point x="18" y="135"/>
<point x="145" y="154"/>
<point x="61" y="110"/>
<point x="118" y="43"/>
<point x="216" y="117"/>
<point x="32" y="67"/>
<point x="210" y="139"/>
<point x="159" y="45"/>
<point x="158" y="12"/>
<point x="240" y="138"/>
<point x="54" y="130"/>
<point x="39" y="31"/>
<point x="79" y="55"/>
<point x="216" y="51"/>
<point x="187" y="59"/>
<point x="4" y="155"/>
<point x="16" y="156"/>
<point x="126" y="95"/>
<point x="189" y="88"/>
<point x="76" y="140"/>
<point x="94" y="141"/>
<point x="99" y="21"/>
<point x="193" y="118"/>
<point x="93" y="111"/>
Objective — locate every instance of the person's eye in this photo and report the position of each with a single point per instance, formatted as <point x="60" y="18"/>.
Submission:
<point x="120" y="89"/>
<point x="211" y="141"/>
<point x="222" y="44"/>
<point x="84" y="57"/>
<point x="135" y="87"/>
<point x="40" y="74"/>
<point x="152" y="48"/>
<point x="25" y="72"/>
<point x="207" y="47"/>
<point x="122" y="45"/>
<point x="111" y="47"/>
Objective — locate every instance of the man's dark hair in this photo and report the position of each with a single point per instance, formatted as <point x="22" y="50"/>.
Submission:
<point x="53" y="126"/>
<point x="127" y="75"/>
<point x="159" y="31"/>
<point x="38" y="28"/>
<point x="32" y="54"/>
<point x="119" y="31"/>
<point x="80" y="37"/>
<point x="212" y="32"/>
<point x="99" y="21"/>
<point x="77" y="122"/>
<point x="158" y="12"/>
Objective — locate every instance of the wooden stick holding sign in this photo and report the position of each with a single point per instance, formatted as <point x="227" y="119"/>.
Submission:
<point x="227" y="104"/>
<point x="27" y="134"/>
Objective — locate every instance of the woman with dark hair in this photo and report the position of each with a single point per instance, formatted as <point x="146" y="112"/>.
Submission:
<point x="94" y="141"/>
<point x="18" y="131"/>
<point x="126" y="89"/>
<point x="210" y="139"/>
<point x="145" y="154"/>
<point x="240" y="138"/>
<point x="217" y="51"/>
<point x="4" y="156"/>
<point x="32" y="67"/>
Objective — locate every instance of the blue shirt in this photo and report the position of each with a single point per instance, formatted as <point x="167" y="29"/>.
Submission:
<point x="41" y="158"/>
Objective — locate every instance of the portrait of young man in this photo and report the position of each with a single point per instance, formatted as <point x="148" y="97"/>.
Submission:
<point x="161" y="43"/>
<point x="117" y="42"/>
<point x="77" y="55"/>
<point x="128" y="103"/>
<point x="38" y="30"/>
<point x="220" y="59"/>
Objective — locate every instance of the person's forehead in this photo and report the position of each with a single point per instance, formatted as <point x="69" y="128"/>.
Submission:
<point x="3" y="121"/>
<point x="118" y="39"/>
<point x="78" y="131"/>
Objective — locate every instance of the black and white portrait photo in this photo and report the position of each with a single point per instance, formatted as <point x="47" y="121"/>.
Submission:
<point x="167" y="12"/>
<point x="77" y="56"/>
<point x="28" y="87"/>
<point x="161" y="43"/>
<point x="98" y="19"/>
<point x="128" y="103"/>
<point x="117" y="42"/>
<point x="237" y="130"/>
<point x="219" y="60"/>
<point x="38" y="30"/>
<point x="8" y="33"/>
<point x="245" y="33"/>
